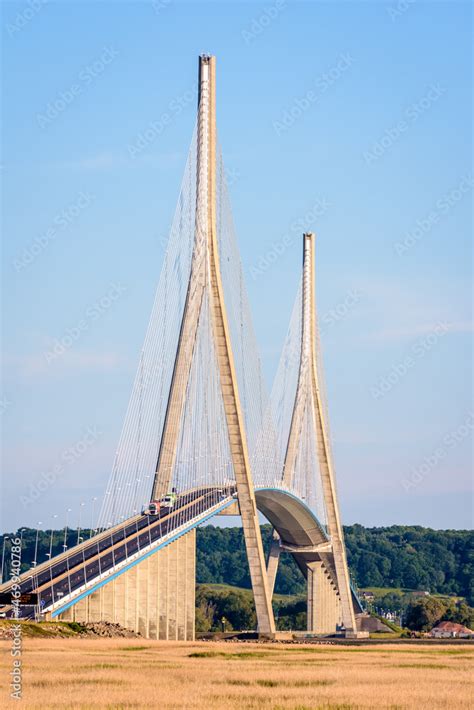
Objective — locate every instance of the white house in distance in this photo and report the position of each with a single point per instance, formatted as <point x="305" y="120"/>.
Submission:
<point x="448" y="629"/>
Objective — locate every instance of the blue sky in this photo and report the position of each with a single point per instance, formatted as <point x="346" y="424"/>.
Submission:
<point x="350" y="119"/>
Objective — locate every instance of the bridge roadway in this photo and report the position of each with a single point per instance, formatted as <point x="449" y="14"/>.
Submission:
<point x="72" y="570"/>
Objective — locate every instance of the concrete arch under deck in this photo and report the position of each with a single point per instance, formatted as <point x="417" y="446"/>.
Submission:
<point x="295" y="523"/>
<point x="298" y="526"/>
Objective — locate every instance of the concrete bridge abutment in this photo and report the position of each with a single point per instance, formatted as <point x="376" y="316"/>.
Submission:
<point x="155" y="597"/>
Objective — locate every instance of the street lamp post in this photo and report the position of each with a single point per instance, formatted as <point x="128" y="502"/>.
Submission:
<point x="68" y="510"/>
<point x="51" y="538"/>
<point x="35" y="561"/>
<point x="135" y="511"/>
<point x="93" y="519"/>
<point x="50" y="553"/>
<point x="79" y="526"/>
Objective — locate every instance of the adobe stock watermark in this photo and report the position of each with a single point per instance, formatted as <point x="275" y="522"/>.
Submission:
<point x="157" y="127"/>
<point x="159" y="5"/>
<point x="16" y="684"/>
<point x="399" y="8"/>
<point x="232" y="175"/>
<point x="419" y="473"/>
<point x="259" y="24"/>
<point x="334" y="315"/>
<point x="417" y="352"/>
<point x="341" y="310"/>
<point x="4" y="404"/>
<point x="69" y="456"/>
<point x="24" y="17"/>
<point x="442" y="207"/>
<point x="410" y="116"/>
<point x="320" y="85"/>
<point x="87" y="75"/>
<point x="92" y="313"/>
<point x="63" y="219"/>
<point x="297" y="228"/>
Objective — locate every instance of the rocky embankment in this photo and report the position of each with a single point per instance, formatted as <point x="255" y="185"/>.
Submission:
<point x="61" y="629"/>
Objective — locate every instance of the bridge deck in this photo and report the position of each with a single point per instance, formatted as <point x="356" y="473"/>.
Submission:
<point x="76" y="572"/>
<point x="70" y="574"/>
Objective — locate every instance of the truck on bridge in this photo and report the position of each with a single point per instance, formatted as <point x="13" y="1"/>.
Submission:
<point x="167" y="501"/>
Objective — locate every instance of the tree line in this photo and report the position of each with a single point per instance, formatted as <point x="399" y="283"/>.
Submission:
<point x="403" y="557"/>
<point x="406" y="557"/>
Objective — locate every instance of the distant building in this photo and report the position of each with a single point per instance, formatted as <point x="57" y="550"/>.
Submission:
<point x="368" y="596"/>
<point x="448" y="629"/>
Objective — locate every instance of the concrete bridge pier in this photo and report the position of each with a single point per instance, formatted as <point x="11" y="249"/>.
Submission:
<point x="324" y="604"/>
<point x="156" y="597"/>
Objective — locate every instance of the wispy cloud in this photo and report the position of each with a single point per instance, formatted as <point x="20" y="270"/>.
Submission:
<point x="417" y="330"/>
<point x="71" y="362"/>
<point x="117" y="160"/>
<point x="101" y="161"/>
<point x="396" y="311"/>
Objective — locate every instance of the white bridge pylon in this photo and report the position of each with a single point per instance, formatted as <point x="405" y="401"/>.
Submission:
<point x="198" y="401"/>
<point x="307" y="468"/>
<point x="205" y="317"/>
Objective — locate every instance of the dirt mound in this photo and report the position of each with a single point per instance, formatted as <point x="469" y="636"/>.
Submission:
<point x="63" y="629"/>
<point x="108" y="629"/>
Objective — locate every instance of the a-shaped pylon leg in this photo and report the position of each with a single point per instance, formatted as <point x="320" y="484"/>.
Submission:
<point x="308" y="394"/>
<point x="272" y="562"/>
<point x="206" y="279"/>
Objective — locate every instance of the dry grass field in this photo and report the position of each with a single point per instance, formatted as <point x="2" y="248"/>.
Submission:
<point x="135" y="673"/>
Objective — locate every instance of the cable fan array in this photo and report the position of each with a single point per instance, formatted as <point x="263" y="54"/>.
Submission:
<point x="252" y="386"/>
<point x="203" y="455"/>
<point x="133" y="469"/>
<point x="305" y="480"/>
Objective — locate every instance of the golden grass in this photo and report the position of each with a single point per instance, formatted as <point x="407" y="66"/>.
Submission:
<point x="116" y="673"/>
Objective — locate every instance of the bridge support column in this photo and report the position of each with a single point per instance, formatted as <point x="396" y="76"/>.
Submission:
<point x="144" y="584"/>
<point x="108" y="605"/>
<point x="131" y="580"/>
<point x="172" y="600"/>
<point x="190" y="586"/>
<point x="95" y="603"/>
<point x="117" y="591"/>
<point x="163" y="576"/>
<point x="82" y="610"/>
<point x="156" y="597"/>
<point x="323" y="601"/>
<point x="68" y="615"/>
<point x="153" y="597"/>
<point x="273" y="560"/>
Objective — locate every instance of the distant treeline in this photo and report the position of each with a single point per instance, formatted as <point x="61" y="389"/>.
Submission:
<point x="229" y="608"/>
<point x="410" y="557"/>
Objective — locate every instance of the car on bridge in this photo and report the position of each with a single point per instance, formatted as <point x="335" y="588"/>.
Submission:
<point x="153" y="508"/>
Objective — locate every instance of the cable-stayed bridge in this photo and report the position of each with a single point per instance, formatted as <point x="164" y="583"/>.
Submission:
<point x="201" y="438"/>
